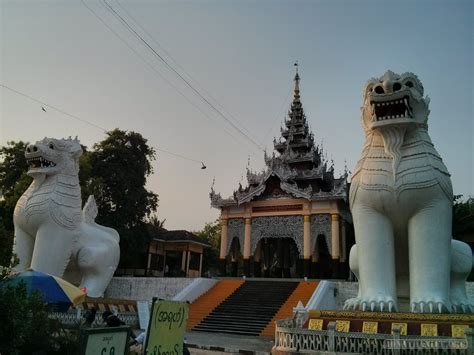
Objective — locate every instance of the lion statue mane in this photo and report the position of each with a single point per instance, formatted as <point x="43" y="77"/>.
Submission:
<point x="401" y="202"/>
<point x="52" y="234"/>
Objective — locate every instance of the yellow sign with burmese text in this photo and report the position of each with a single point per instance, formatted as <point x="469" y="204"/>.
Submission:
<point x="166" y="327"/>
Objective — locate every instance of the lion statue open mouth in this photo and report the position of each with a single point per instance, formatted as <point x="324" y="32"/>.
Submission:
<point x="52" y="234"/>
<point x="401" y="201"/>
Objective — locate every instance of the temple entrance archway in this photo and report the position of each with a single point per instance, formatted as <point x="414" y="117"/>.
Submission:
<point x="277" y="258"/>
<point x="235" y="258"/>
<point x="321" y="266"/>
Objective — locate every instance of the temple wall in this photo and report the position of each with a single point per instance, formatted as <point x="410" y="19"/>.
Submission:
<point x="145" y="288"/>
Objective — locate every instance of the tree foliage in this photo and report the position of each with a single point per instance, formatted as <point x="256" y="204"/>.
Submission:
<point x="463" y="217"/>
<point x="13" y="182"/>
<point x="6" y="240"/>
<point x="462" y="208"/>
<point x="13" y="179"/>
<point x="115" y="172"/>
<point x="13" y="166"/>
<point x="211" y="233"/>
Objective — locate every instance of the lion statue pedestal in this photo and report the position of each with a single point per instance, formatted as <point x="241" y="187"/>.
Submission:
<point x="401" y="201"/>
<point x="52" y="234"/>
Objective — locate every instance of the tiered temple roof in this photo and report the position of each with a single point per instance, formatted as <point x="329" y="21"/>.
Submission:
<point x="299" y="169"/>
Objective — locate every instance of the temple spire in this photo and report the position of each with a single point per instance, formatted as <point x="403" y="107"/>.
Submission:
<point x="297" y="84"/>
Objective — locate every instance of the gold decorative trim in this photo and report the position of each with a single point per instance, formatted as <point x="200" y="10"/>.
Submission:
<point x="465" y="318"/>
<point x="402" y="326"/>
<point x="458" y="330"/>
<point x="429" y="330"/>
<point x="315" y="324"/>
<point x="370" y="327"/>
<point x="343" y="326"/>
<point x="334" y="217"/>
<point x="248" y="220"/>
<point x="307" y="218"/>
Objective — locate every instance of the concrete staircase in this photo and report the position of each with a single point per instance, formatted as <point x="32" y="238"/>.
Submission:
<point x="248" y="310"/>
<point x="205" y="304"/>
<point x="303" y="293"/>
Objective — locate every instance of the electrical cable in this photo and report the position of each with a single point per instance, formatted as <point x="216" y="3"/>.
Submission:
<point x="53" y="107"/>
<point x="179" y="65"/>
<point x="86" y="121"/>
<point x="154" y="69"/>
<point x="170" y="67"/>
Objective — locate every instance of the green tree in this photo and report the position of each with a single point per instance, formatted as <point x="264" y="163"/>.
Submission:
<point x="6" y="240"/>
<point x="462" y="208"/>
<point x="13" y="182"/>
<point x="115" y="172"/>
<point x="211" y="233"/>
<point x="13" y="166"/>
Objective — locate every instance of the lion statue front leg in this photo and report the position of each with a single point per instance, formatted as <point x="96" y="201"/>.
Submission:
<point x="23" y="248"/>
<point x="373" y="261"/>
<point x="52" y="249"/>
<point x="429" y="240"/>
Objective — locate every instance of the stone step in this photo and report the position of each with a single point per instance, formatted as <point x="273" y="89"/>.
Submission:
<point x="238" y="332"/>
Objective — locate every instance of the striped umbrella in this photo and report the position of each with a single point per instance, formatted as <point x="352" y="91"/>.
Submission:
<point x="56" y="292"/>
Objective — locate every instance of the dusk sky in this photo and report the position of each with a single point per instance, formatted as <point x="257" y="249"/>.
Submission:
<point x="240" y="56"/>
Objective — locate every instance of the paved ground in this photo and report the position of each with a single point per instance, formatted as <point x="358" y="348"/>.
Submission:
<point x="215" y="343"/>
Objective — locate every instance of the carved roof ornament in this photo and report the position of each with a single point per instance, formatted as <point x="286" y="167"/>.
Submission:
<point x="302" y="168"/>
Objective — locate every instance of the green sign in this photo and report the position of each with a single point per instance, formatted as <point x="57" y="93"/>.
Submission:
<point x="166" y="328"/>
<point x="104" y="341"/>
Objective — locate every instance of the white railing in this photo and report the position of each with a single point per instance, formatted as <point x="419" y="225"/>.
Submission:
<point x="290" y="338"/>
<point x="72" y="318"/>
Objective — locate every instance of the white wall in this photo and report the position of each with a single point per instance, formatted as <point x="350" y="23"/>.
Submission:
<point x="195" y="289"/>
<point x="145" y="288"/>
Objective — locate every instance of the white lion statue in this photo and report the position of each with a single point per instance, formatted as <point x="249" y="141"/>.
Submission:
<point x="52" y="234"/>
<point x="401" y="201"/>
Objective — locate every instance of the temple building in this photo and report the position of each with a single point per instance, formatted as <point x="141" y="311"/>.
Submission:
<point x="175" y="253"/>
<point x="292" y="219"/>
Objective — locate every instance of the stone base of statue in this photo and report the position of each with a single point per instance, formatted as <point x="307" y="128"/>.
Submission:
<point x="359" y="332"/>
<point x="418" y="324"/>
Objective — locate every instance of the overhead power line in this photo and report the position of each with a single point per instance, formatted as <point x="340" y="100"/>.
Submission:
<point x="168" y="54"/>
<point x="170" y="67"/>
<point x="53" y="107"/>
<point x="142" y="58"/>
<point x="44" y="104"/>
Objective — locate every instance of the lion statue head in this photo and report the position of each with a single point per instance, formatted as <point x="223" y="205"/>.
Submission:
<point x="51" y="156"/>
<point x="394" y="104"/>
<point x="394" y="100"/>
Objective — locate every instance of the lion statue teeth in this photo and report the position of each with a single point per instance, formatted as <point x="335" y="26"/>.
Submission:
<point x="401" y="201"/>
<point x="52" y="234"/>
